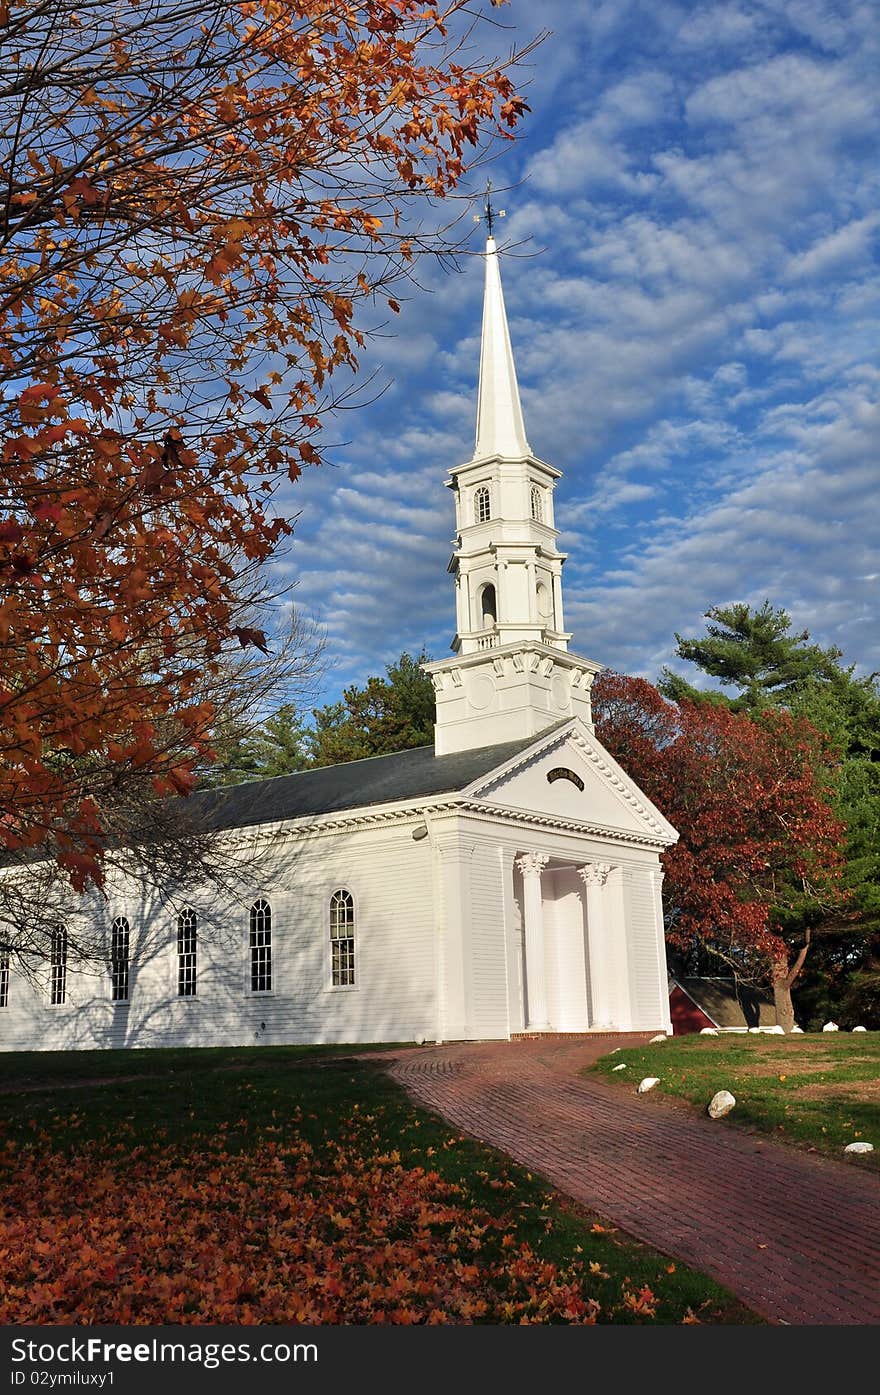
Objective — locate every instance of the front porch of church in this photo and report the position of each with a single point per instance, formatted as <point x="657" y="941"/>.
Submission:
<point x="552" y="943"/>
<point x="570" y="947"/>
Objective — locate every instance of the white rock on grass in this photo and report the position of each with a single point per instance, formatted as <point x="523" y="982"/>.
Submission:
<point x="622" y="1066"/>
<point x="776" y="1031"/>
<point x="648" y="1084"/>
<point x="859" y="1148"/>
<point x="661" y="1036"/>
<point x="800" y="1030"/>
<point x="831" y="1027"/>
<point x="721" y="1104"/>
<point x="708" y="1031"/>
<point x="860" y="1029"/>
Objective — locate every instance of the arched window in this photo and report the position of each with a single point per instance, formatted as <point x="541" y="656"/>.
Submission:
<point x="187" y="931"/>
<point x="4" y="980"/>
<point x="537" y="504"/>
<point x="488" y="606"/>
<point x="261" y="947"/>
<point x="120" y="939"/>
<point x="482" y="506"/>
<point x="58" y="966"/>
<point x="342" y="939"/>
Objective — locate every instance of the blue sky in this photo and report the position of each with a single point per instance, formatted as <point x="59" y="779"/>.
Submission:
<point x="694" y="302"/>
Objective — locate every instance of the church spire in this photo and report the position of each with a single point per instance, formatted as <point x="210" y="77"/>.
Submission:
<point x="511" y="675"/>
<point x="500" y="426"/>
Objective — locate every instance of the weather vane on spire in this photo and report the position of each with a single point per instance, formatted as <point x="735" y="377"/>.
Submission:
<point x="489" y="214"/>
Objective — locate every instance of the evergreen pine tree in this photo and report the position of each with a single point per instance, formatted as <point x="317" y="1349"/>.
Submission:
<point x="754" y="651"/>
<point x="394" y="713"/>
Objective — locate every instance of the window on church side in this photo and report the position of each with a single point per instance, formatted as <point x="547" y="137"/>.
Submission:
<point x="4" y="981"/>
<point x="482" y="505"/>
<point x="537" y="505"/>
<point x="187" y="930"/>
<point x="261" y="947"/>
<point x="58" y="967"/>
<point x="342" y="939"/>
<point x="120" y="939"/>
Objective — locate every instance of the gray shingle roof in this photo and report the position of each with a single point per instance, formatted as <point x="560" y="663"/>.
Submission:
<point x="729" y="1003"/>
<point x="405" y="775"/>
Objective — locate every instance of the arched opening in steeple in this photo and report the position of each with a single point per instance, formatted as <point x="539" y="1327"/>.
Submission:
<point x="488" y="606"/>
<point x="537" y="504"/>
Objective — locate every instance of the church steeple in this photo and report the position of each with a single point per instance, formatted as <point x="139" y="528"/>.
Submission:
<point x="512" y="675"/>
<point x="500" y="426"/>
<point x="507" y="567"/>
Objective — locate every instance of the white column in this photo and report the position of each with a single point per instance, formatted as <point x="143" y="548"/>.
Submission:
<point x="533" y="593"/>
<point x="513" y="951"/>
<point x="558" y="617"/>
<point x="452" y="880"/>
<point x="531" y="865"/>
<point x="594" y="876"/>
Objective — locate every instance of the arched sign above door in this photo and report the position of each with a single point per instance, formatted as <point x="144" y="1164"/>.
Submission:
<point x="560" y="773"/>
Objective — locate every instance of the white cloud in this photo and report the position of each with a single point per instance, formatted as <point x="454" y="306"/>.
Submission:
<point x="719" y="25"/>
<point x="694" y="320"/>
<point x="796" y="531"/>
<point x="841" y="249"/>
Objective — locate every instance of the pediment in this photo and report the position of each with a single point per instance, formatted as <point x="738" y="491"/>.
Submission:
<point x="569" y="775"/>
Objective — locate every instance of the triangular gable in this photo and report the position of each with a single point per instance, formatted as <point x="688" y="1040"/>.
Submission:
<point x="539" y="780"/>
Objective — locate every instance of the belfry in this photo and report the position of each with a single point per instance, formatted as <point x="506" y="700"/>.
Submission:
<point x="512" y="674"/>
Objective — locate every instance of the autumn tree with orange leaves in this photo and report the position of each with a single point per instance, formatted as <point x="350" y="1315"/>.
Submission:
<point x="758" y="864"/>
<point x="197" y="201"/>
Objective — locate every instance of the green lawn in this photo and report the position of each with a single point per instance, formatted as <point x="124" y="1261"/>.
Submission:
<point x="344" y="1143"/>
<point x="817" y="1091"/>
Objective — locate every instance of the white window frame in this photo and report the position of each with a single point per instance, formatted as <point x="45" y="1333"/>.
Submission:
<point x="250" y="991"/>
<point x="536" y="496"/>
<point x="117" y="920"/>
<point x="337" y="890"/>
<point x="179" y="967"/>
<point x="482" y="492"/>
<point x="5" y="975"/>
<point x="58" y="968"/>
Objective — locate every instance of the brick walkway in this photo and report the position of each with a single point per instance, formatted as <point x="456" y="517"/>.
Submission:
<point x="796" y="1237"/>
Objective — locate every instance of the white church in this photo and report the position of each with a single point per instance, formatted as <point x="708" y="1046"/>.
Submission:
<point x="505" y="880"/>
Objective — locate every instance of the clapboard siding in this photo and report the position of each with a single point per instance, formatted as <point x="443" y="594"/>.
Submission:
<point x="394" y="996"/>
<point x="439" y="946"/>
<point x="646" y="999"/>
<point x="488" y="948"/>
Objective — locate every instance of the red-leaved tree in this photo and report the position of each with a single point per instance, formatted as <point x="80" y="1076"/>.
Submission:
<point x="759" y="859"/>
<point x="195" y="202"/>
